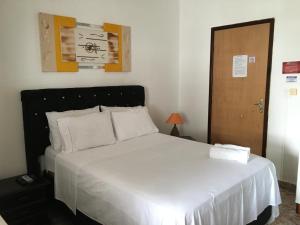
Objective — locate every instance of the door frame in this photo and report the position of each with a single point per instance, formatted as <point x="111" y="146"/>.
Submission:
<point x="271" y="21"/>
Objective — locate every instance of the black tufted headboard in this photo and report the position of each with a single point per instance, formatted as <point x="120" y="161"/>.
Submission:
<point x="36" y="102"/>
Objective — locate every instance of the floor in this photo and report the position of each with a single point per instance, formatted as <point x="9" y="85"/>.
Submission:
<point x="287" y="209"/>
<point x="59" y="215"/>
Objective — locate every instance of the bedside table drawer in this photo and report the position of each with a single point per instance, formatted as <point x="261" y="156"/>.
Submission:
<point x="24" y="204"/>
<point x="22" y="199"/>
<point x="30" y="210"/>
<point x="35" y="219"/>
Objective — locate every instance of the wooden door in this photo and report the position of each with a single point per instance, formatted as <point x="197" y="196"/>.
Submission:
<point x="238" y="104"/>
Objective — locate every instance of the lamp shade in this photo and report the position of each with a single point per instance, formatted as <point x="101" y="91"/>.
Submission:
<point x="175" y="118"/>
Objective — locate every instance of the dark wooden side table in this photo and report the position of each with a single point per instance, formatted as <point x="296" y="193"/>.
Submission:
<point x="188" y="137"/>
<point x="24" y="204"/>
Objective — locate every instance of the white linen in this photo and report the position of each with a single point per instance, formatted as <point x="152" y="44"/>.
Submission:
<point x="229" y="152"/>
<point x="87" y="131"/>
<point x="50" y="155"/>
<point x="118" y="108"/>
<point x="133" y="123"/>
<point x="47" y="161"/>
<point x="2" y="222"/>
<point x="52" y="117"/>
<point x="162" y="180"/>
<point x="233" y="147"/>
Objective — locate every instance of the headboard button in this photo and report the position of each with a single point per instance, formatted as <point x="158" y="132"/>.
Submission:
<point x="121" y="93"/>
<point x="108" y="94"/>
<point x="79" y="96"/>
<point x="46" y="127"/>
<point x="63" y="97"/>
<point x="45" y="99"/>
<point x="36" y="114"/>
<point x="95" y="95"/>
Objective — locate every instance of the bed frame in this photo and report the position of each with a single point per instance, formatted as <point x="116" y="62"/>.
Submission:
<point x="35" y="103"/>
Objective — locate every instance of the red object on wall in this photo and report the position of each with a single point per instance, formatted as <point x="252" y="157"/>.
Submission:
<point x="291" y="67"/>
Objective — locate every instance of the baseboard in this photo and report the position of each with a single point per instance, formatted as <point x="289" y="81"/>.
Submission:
<point x="287" y="186"/>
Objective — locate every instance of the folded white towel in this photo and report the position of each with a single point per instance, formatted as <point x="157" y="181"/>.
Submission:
<point x="233" y="147"/>
<point x="230" y="152"/>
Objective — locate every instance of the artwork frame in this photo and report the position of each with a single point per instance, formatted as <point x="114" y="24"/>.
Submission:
<point x="60" y="48"/>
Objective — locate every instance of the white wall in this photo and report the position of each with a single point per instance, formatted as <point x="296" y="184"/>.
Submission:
<point x="154" y="60"/>
<point x="196" y="19"/>
<point x="298" y="185"/>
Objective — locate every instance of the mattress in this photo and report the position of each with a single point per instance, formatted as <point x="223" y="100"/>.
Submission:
<point x="47" y="161"/>
<point x="163" y="180"/>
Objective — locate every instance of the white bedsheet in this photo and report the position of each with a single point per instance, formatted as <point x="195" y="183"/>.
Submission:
<point x="161" y="180"/>
<point x="47" y="161"/>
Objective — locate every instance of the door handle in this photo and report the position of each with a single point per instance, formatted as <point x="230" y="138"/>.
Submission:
<point x="261" y="105"/>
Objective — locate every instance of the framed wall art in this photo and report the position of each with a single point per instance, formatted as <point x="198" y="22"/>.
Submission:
<point x="67" y="45"/>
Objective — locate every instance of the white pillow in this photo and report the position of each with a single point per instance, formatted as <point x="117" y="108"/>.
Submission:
<point x="87" y="131"/>
<point x="118" y="108"/>
<point x="133" y="123"/>
<point x="55" y="138"/>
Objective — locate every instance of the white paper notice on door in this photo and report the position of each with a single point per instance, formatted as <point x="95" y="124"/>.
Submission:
<point x="240" y="66"/>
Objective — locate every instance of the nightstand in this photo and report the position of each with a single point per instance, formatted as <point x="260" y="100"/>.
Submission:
<point x="24" y="205"/>
<point x="188" y="137"/>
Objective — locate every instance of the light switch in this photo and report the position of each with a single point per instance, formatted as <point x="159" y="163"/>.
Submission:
<point x="293" y="91"/>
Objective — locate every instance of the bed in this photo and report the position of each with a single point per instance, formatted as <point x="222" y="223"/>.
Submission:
<point x="154" y="179"/>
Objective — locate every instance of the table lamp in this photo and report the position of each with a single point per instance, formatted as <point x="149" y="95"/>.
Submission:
<point x="175" y="118"/>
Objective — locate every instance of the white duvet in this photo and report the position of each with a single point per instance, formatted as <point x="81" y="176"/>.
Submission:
<point x="161" y="180"/>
